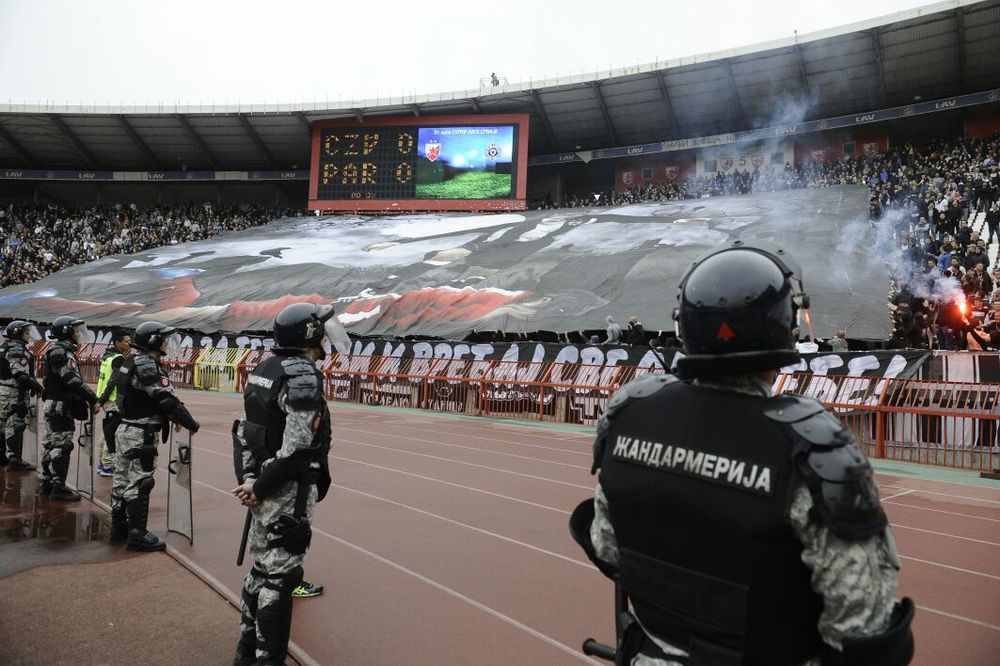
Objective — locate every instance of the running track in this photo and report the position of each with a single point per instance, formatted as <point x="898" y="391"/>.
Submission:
<point x="444" y="540"/>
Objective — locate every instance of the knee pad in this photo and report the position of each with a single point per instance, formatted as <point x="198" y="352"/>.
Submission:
<point x="145" y="487"/>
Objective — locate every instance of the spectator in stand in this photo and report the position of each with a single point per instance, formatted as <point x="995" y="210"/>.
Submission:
<point x="39" y="239"/>
<point x="838" y="343"/>
<point x="976" y="255"/>
<point x="636" y="333"/>
<point x="614" y="330"/>
<point x="993" y="221"/>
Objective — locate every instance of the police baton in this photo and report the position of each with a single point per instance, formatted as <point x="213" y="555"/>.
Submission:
<point x="243" y="539"/>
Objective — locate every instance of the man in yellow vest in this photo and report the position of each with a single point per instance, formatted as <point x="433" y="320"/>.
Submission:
<point x="106" y="395"/>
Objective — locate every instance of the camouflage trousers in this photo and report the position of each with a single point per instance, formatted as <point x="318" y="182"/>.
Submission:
<point x="13" y="415"/>
<point x="135" y="462"/>
<point x="58" y="440"/>
<point x="266" y="599"/>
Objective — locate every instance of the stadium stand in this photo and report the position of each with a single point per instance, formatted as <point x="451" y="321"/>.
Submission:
<point x="39" y="239"/>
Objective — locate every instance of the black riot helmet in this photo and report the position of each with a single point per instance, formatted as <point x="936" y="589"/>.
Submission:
<point x="17" y="329"/>
<point x="301" y="326"/>
<point x="152" y="336"/>
<point x="69" y="329"/>
<point x="738" y="311"/>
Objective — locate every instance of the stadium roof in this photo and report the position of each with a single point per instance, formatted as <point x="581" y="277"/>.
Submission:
<point x="940" y="50"/>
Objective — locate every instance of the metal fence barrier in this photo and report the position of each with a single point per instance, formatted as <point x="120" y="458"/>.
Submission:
<point x="953" y="424"/>
<point x="217" y="368"/>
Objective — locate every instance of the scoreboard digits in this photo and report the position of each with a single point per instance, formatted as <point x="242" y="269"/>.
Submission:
<point x="371" y="163"/>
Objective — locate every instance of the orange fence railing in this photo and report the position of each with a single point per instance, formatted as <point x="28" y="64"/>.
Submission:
<point x="954" y="424"/>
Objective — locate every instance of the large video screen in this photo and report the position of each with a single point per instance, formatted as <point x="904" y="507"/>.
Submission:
<point x="440" y="164"/>
<point x="465" y="162"/>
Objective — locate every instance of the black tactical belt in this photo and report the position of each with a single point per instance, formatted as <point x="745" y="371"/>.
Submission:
<point x="150" y="427"/>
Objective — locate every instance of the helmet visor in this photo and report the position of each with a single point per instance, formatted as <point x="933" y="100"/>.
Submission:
<point x="340" y="343"/>
<point x="171" y="346"/>
<point x="81" y="334"/>
<point x="30" y="334"/>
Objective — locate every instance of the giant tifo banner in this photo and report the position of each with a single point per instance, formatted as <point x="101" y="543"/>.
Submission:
<point x="367" y="355"/>
<point x="567" y="383"/>
<point x="882" y="364"/>
<point x="446" y="276"/>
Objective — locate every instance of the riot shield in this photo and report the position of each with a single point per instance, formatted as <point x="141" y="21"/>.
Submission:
<point x="29" y="452"/>
<point x="85" y="458"/>
<point x="180" y="503"/>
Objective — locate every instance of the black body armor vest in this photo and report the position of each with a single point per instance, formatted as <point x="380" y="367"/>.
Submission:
<point x="54" y="383"/>
<point x="265" y="422"/>
<point x="6" y="373"/>
<point x="698" y="483"/>
<point x="260" y="398"/>
<point x="134" y="403"/>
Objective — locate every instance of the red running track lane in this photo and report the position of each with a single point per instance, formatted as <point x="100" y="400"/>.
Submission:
<point x="445" y="540"/>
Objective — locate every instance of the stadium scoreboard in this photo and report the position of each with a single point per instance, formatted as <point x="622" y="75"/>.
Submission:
<point x="442" y="163"/>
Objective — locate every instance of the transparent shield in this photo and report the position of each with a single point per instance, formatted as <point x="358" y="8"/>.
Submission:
<point x="31" y="435"/>
<point x="85" y="458"/>
<point x="180" y="503"/>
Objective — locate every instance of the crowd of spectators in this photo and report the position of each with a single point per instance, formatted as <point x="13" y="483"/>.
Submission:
<point x="39" y="239"/>
<point x="934" y="208"/>
<point x="885" y="173"/>
<point x="925" y="202"/>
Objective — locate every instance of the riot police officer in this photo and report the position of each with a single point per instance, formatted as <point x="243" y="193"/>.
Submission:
<point x="280" y="453"/>
<point x="147" y="404"/>
<point x="744" y="528"/>
<point x="17" y="386"/>
<point x="67" y="399"/>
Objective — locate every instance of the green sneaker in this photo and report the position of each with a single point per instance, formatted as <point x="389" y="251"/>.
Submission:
<point x="307" y="589"/>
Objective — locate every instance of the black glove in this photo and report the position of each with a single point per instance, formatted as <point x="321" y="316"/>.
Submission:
<point x="182" y="416"/>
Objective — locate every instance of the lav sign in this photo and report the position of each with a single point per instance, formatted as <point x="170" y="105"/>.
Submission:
<point x="13" y="174"/>
<point x="945" y="104"/>
<point x="86" y="175"/>
<point x="155" y="175"/>
<point x="864" y="118"/>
